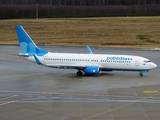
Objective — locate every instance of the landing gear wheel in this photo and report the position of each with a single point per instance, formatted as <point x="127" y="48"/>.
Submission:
<point x="140" y="74"/>
<point x="79" y="73"/>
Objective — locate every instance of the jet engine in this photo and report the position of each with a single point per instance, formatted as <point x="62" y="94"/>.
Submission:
<point x="92" y="70"/>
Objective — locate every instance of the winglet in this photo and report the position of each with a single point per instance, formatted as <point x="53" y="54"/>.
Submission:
<point x="26" y="44"/>
<point x="89" y="50"/>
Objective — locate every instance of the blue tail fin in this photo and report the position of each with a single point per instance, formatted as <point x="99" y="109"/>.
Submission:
<point x="28" y="47"/>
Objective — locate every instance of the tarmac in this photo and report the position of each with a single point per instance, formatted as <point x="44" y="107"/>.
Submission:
<point x="32" y="92"/>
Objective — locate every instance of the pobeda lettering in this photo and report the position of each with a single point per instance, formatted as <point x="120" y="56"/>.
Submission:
<point x="118" y="58"/>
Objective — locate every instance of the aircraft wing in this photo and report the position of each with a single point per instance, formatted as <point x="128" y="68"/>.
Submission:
<point x="66" y="66"/>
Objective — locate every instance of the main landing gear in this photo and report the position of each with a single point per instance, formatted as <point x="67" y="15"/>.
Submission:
<point x="140" y="74"/>
<point x="79" y="73"/>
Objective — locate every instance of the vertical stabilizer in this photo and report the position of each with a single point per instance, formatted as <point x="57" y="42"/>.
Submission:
<point x="28" y="47"/>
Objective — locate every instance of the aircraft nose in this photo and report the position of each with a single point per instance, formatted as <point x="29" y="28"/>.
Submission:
<point x="153" y="65"/>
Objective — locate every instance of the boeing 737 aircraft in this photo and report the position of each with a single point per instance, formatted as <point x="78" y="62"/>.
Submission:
<point x="88" y="64"/>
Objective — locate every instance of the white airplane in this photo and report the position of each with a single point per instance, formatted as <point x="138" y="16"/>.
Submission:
<point x="88" y="64"/>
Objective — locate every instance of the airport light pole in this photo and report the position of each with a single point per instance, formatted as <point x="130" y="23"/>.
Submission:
<point x="36" y="9"/>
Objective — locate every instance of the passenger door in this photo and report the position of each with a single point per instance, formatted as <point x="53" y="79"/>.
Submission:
<point x="137" y="63"/>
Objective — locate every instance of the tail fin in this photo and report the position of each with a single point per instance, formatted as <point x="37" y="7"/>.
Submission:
<point x="28" y="47"/>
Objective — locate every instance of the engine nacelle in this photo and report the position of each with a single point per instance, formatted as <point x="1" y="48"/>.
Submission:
<point x="92" y="70"/>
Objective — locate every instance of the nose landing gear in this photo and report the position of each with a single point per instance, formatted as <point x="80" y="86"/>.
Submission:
<point x="140" y="74"/>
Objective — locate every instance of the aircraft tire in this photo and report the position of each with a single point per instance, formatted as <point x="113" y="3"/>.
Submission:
<point x="79" y="73"/>
<point x="140" y="74"/>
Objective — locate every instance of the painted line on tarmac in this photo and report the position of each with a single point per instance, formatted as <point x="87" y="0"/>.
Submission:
<point x="10" y="102"/>
<point x="88" y="95"/>
<point x="150" y="91"/>
<point x="9" y="97"/>
<point x="8" y="91"/>
<point x="6" y="103"/>
<point x="120" y="107"/>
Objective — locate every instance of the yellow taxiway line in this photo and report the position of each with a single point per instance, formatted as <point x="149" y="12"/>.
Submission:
<point x="114" y="109"/>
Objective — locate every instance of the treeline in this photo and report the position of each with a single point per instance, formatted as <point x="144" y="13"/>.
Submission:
<point x="81" y="2"/>
<point x="50" y="11"/>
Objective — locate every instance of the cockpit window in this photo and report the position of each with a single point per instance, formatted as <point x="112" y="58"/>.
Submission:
<point x="146" y="61"/>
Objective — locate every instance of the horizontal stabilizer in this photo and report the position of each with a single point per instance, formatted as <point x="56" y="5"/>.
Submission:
<point x="37" y="60"/>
